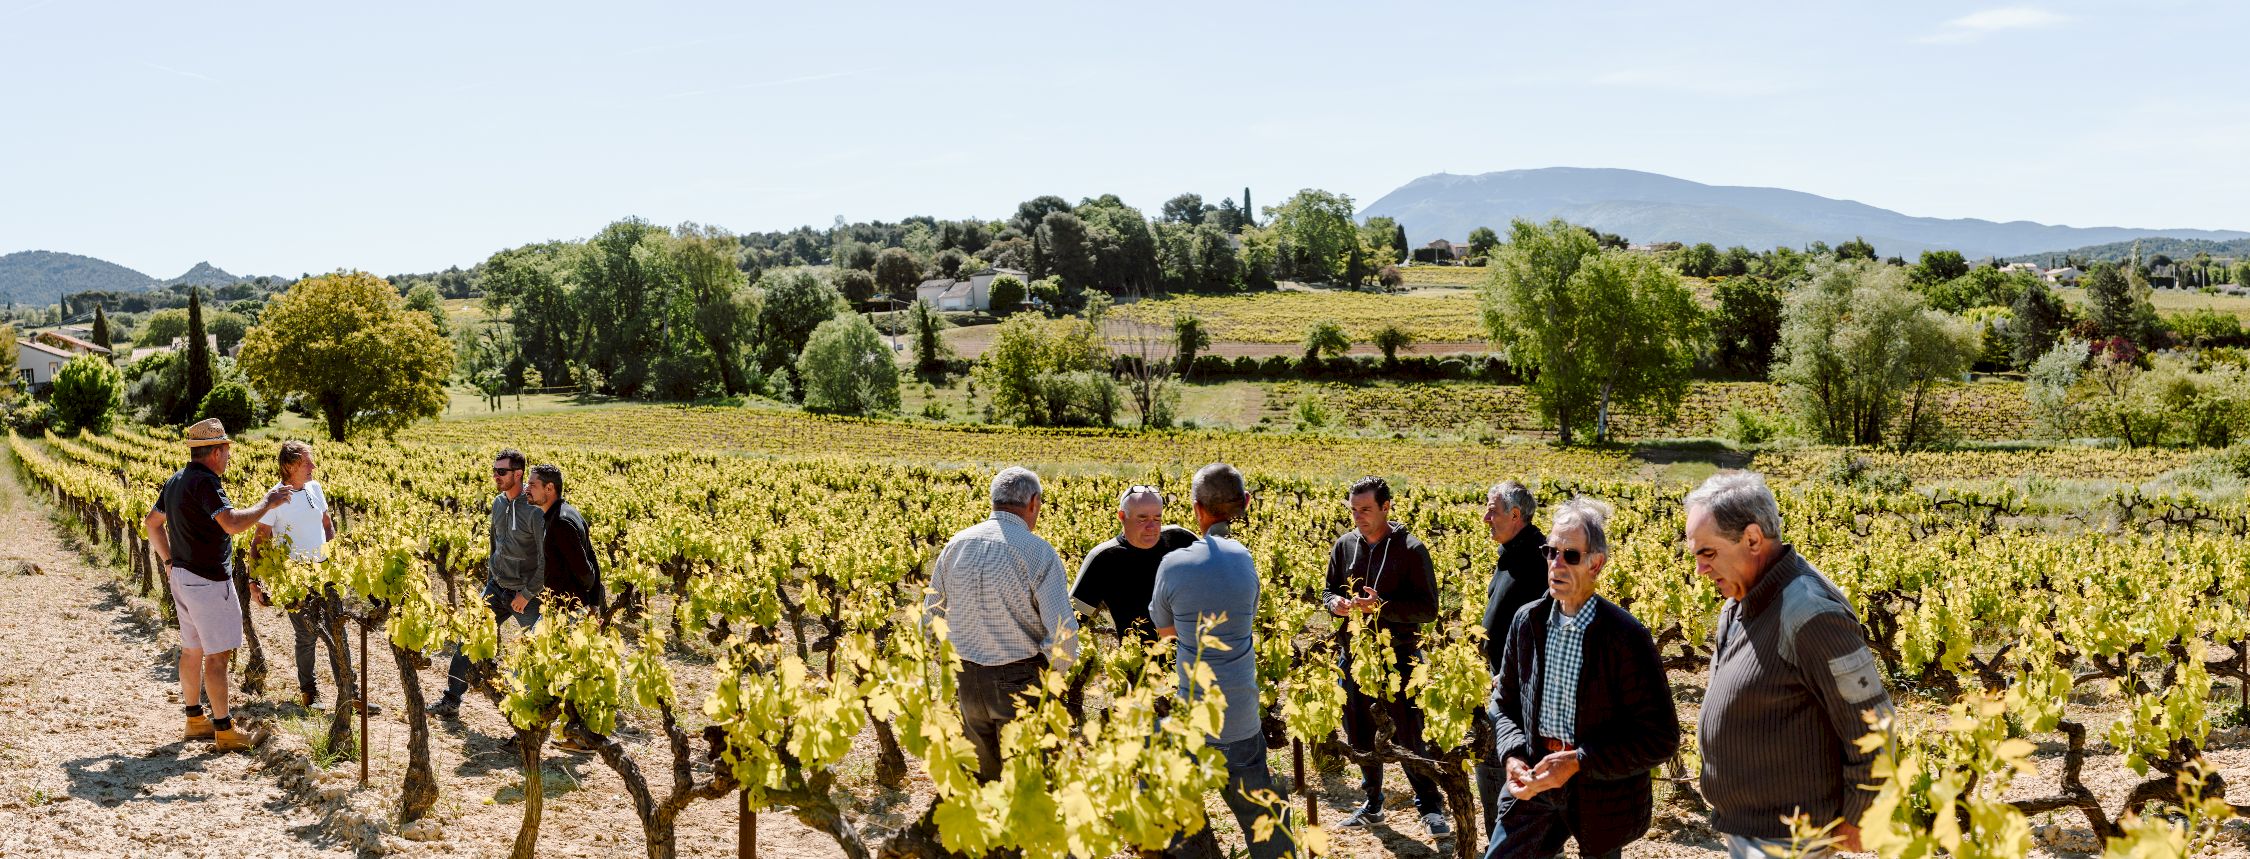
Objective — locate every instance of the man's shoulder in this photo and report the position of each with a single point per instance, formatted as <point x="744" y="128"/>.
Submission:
<point x="1809" y="595"/>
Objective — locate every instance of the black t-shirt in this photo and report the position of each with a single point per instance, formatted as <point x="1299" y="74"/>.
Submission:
<point x="1123" y="578"/>
<point x="191" y="501"/>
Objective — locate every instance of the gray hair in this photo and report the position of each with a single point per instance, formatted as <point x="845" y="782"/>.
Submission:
<point x="1014" y="486"/>
<point x="1586" y="516"/>
<point x="1220" y="489"/>
<point x="1735" y="499"/>
<point x="1513" y="496"/>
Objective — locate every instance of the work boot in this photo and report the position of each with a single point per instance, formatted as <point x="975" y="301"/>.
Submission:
<point x="198" y="728"/>
<point x="236" y="739"/>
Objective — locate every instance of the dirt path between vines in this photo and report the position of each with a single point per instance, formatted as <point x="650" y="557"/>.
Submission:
<point x="91" y="760"/>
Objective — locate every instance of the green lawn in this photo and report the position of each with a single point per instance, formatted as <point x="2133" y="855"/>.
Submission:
<point x="2170" y="301"/>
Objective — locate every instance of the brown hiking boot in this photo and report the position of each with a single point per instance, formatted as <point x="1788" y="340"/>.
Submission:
<point x="198" y="728"/>
<point x="236" y="739"/>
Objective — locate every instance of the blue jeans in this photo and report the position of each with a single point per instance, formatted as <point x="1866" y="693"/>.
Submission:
<point x="1534" y="828"/>
<point x="497" y="599"/>
<point x="1246" y="772"/>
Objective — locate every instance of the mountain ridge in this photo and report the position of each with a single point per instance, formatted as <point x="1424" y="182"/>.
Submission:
<point x="1652" y="207"/>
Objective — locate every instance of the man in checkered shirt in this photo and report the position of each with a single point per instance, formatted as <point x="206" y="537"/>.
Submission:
<point x="1581" y="711"/>
<point x="1005" y="599"/>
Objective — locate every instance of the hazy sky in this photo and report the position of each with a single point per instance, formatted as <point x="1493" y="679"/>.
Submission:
<point x="283" y="138"/>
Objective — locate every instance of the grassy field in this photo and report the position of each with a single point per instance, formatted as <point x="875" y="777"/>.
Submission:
<point x="1437" y="314"/>
<point x="2170" y="301"/>
<point x="1445" y="275"/>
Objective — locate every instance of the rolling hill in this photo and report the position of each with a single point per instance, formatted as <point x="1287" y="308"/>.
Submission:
<point x="38" y="277"/>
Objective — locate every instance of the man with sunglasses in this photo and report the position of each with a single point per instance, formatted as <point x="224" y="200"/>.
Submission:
<point x="1120" y="574"/>
<point x="515" y="571"/>
<point x="1379" y="569"/>
<point x="1792" y="681"/>
<point x="1582" y="708"/>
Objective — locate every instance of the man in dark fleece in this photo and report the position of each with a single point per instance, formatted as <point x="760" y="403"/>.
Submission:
<point x="1379" y="569"/>
<point x="1519" y="578"/>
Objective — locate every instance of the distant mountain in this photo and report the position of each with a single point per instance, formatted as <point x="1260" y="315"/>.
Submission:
<point x="2234" y="250"/>
<point x="204" y="274"/>
<point x="38" y="277"/>
<point x="1647" y="207"/>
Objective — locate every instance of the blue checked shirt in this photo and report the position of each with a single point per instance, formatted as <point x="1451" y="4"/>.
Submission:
<point x="1566" y="654"/>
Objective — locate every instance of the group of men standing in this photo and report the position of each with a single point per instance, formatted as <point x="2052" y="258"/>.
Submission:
<point x="1581" y="706"/>
<point x="539" y="550"/>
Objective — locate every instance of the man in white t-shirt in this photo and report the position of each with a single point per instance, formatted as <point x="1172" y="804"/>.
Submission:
<point x="304" y="526"/>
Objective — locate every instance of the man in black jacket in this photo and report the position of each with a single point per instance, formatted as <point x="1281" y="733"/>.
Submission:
<point x="572" y="570"/>
<point x="1377" y="568"/>
<point x="1584" y="709"/>
<point x="1518" y="578"/>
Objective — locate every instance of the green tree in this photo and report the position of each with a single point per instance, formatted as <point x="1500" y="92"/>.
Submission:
<point x="1260" y="256"/>
<point x="1067" y="250"/>
<point x="2050" y="388"/>
<point x="2242" y="274"/>
<point x="525" y="288"/>
<point x="1384" y="240"/>
<point x="1858" y="346"/>
<point x="1390" y="338"/>
<point x="1857" y="248"/>
<point x="1483" y="241"/>
<point x="856" y="286"/>
<point x="227" y="328"/>
<point x="623" y="283"/>
<point x="101" y="331"/>
<point x="198" y="349"/>
<point x="1122" y="245"/>
<point x="1045" y="372"/>
<point x="930" y="351"/>
<point x="85" y="394"/>
<point x="1746" y="325"/>
<point x="1592" y="328"/>
<point x="1325" y="338"/>
<point x="897" y="272"/>
<point x="9" y="355"/>
<point x="346" y="345"/>
<point x="725" y="307"/>
<point x="1184" y="209"/>
<point x="796" y="302"/>
<point x="232" y="404"/>
<point x="2122" y="304"/>
<point x="1698" y="260"/>
<point x="1217" y="269"/>
<point x="425" y="298"/>
<point x="1005" y="296"/>
<point x="846" y="369"/>
<point x="1189" y="339"/>
<point x="1318" y="237"/>
<point x="1937" y="267"/>
<point x="2037" y="318"/>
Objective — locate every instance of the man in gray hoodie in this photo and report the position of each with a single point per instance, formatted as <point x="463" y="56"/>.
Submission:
<point x="515" y="572"/>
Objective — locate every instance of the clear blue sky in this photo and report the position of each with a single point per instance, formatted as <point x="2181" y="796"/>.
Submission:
<point x="281" y="138"/>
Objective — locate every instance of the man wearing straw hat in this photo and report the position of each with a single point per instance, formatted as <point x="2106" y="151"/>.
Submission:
<point x="192" y="532"/>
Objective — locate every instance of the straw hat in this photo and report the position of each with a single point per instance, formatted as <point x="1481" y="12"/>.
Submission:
<point x="206" y="433"/>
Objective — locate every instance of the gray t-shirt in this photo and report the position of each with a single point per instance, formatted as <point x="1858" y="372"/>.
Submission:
<point x="1214" y="576"/>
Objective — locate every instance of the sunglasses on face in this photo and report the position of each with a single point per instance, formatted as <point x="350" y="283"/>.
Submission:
<point x="499" y="472"/>
<point x="1570" y="557"/>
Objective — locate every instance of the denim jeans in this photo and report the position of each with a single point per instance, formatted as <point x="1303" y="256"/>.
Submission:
<point x="988" y="702"/>
<point x="1744" y="847"/>
<point x="1246" y="772"/>
<point x="497" y="599"/>
<point x="1534" y="828"/>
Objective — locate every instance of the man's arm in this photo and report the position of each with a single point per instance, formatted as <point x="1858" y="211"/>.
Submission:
<point x="536" y="581"/>
<point x="1083" y="592"/>
<point x="1844" y="679"/>
<point x="1160" y="607"/>
<point x="1509" y="737"/>
<point x="933" y="599"/>
<point x="1053" y="604"/>
<point x="235" y="521"/>
<point x="159" y="539"/>
<point x="1414" y="599"/>
<point x="1339" y="587"/>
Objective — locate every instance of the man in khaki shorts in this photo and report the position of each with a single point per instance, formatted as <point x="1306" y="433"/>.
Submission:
<point x="192" y="531"/>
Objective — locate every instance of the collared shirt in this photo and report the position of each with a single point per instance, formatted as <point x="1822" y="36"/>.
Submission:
<point x="1004" y="595"/>
<point x="191" y="501"/>
<point x="1566" y="655"/>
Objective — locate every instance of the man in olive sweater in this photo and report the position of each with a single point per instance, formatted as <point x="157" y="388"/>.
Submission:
<point x="1378" y="568"/>
<point x="1792" y="681"/>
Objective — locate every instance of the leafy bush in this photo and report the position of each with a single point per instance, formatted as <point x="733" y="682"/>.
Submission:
<point x="847" y="369"/>
<point x="28" y="417"/>
<point x="233" y="404"/>
<point x="1749" y="426"/>
<point x="1854" y="471"/>
<point x="86" y="394"/>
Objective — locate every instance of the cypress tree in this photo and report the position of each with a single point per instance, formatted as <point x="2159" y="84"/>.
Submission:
<point x="198" y="358"/>
<point x="1249" y="212"/>
<point x="101" y="327"/>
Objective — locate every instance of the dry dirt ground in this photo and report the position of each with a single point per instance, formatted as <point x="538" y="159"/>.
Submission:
<point x="91" y="763"/>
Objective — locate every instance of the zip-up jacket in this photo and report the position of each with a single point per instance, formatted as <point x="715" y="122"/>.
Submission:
<point x="1398" y="567"/>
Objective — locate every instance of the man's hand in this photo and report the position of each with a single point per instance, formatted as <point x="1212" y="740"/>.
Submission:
<point x="1555" y="770"/>
<point x="279" y="496"/>
<point x="1520" y="781"/>
<point x="1847" y="837"/>
<point x="258" y="594"/>
<point x="516" y="605"/>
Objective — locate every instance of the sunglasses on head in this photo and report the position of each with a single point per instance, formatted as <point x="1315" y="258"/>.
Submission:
<point x="1570" y="557"/>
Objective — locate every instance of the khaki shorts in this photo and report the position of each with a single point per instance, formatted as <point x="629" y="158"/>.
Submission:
<point x="210" y="616"/>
